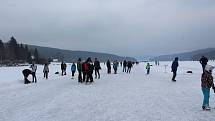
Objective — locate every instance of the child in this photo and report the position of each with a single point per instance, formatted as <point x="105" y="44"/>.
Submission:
<point x="206" y="84"/>
<point x="73" y="69"/>
<point x="148" y="68"/>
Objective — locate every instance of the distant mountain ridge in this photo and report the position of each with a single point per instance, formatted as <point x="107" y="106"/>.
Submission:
<point x="70" y="56"/>
<point x="188" y="56"/>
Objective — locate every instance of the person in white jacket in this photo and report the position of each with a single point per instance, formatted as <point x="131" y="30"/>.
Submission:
<point x="34" y="69"/>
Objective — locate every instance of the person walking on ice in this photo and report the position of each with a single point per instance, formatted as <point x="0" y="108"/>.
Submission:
<point x="46" y="71"/>
<point x="174" y="68"/>
<point x="115" y="66"/>
<point x="62" y="68"/>
<point x="124" y="66"/>
<point x="73" y="69"/>
<point x="97" y="68"/>
<point x="206" y="84"/>
<point x="129" y="65"/>
<point x="148" y="68"/>
<point x="79" y="68"/>
<point x="108" y="64"/>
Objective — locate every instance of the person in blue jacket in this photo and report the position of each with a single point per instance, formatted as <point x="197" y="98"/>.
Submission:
<point x="73" y="69"/>
<point x="174" y="68"/>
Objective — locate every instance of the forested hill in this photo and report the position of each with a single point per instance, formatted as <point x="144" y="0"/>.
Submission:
<point x="188" y="56"/>
<point x="69" y="55"/>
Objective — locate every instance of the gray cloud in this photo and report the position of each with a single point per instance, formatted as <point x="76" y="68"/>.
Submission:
<point x="124" y="27"/>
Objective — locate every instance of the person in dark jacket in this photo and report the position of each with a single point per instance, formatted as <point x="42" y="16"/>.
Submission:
<point x="174" y="68"/>
<point x="65" y="66"/>
<point x="108" y="66"/>
<point x="148" y="66"/>
<point x="26" y="73"/>
<point x="124" y="66"/>
<point x="203" y="62"/>
<point x="79" y="68"/>
<point x="97" y="68"/>
<point x="129" y="65"/>
<point x="115" y="66"/>
<point x="62" y="68"/>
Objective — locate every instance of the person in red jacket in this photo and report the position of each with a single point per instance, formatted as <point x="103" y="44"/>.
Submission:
<point x="85" y="68"/>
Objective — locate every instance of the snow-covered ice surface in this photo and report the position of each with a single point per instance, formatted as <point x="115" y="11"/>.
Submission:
<point x="120" y="97"/>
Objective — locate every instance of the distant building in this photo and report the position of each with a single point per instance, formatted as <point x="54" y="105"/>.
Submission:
<point x="55" y="60"/>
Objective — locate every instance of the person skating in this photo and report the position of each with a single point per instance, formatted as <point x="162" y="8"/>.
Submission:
<point x="115" y="66"/>
<point x="206" y="84"/>
<point x="97" y="68"/>
<point x="73" y="69"/>
<point x="26" y="73"/>
<point x="124" y="66"/>
<point x="203" y="62"/>
<point x="148" y="66"/>
<point x="174" y="68"/>
<point x="90" y="71"/>
<point x="46" y="71"/>
<point x="34" y="69"/>
<point x="108" y="64"/>
<point x="79" y="68"/>
<point x="129" y="65"/>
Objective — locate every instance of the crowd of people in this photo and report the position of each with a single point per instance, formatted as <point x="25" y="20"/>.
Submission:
<point x="86" y="68"/>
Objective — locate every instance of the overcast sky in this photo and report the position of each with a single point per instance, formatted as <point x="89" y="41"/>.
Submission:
<point x="123" y="27"/>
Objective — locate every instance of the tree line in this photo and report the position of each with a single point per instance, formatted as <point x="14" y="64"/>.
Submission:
<point x="12" y="52"/>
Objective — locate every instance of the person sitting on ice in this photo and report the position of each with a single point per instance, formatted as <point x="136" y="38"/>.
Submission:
<point x="26" y="73"/>
<point x="206" y="84"/>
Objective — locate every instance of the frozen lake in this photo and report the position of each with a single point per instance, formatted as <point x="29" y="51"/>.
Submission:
<point x="120" y="97"/>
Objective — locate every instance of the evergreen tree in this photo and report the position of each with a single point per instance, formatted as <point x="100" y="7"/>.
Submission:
<point x="13" y="49"/>
<point x="26" y="53"/>
<point x="21" y="52"/>
<point x="2" y="51"/>
<point x="14" y="52"/>
<point x="28" y="57"/>
<point x="36" y="55"/>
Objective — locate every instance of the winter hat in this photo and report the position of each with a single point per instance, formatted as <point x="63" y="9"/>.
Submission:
<point x="89" y="59"/>
<point x="209" y="68"/>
